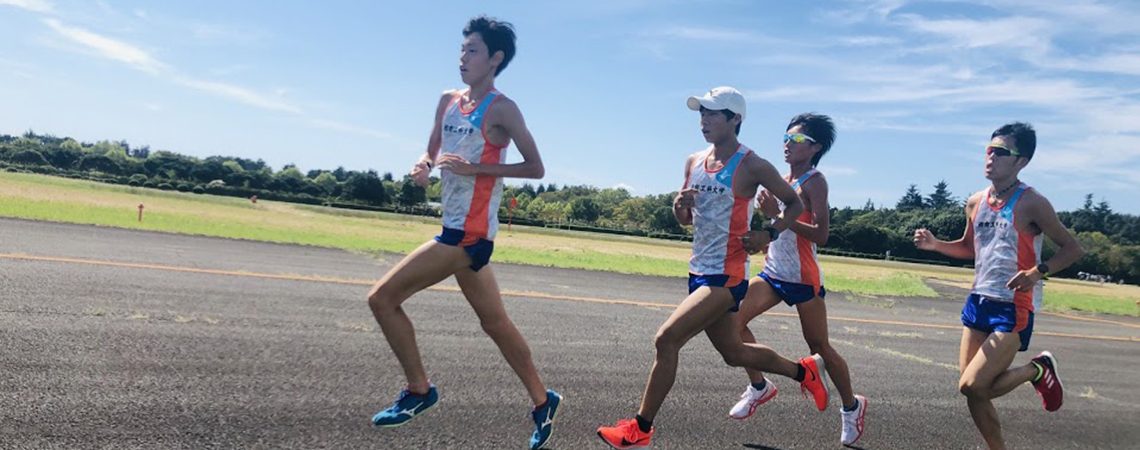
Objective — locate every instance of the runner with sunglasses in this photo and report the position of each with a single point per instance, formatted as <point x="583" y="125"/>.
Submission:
<point x="792" y="275"/>
<point x="1004" y="228"/>
<point x="717" y="199"/>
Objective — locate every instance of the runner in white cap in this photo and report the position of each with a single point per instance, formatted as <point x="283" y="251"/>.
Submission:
<point x="717" y="200"/>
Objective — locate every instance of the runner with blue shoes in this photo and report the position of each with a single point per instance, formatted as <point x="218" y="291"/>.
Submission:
<point x="473" y="128"/>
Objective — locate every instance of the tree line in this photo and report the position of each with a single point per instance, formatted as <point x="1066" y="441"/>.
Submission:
<point x="1111" y="239"/>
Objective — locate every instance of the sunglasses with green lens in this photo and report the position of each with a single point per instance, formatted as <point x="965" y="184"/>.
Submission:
<point x="798" y="138"/>
<point x="1001" y="150"/>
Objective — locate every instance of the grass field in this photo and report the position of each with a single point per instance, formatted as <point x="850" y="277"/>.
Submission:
<point x="54" y="199"/>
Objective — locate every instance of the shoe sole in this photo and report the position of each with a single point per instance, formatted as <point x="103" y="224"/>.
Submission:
<point x="395" y="425"/>
<point x="622" y="448"/>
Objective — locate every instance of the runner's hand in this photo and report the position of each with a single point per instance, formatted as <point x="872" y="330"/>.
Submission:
<point x="769" y="206"/>
<point x="924" y="239"/>
<point x="420" y="173"/>
<point x="685" y="199"/>
<point x="755" y="241"/>
<point x="456" y="164"/>
<point x="1024" y="280"/>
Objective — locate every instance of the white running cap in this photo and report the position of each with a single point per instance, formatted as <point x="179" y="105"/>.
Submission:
<point x="719" y="98"/>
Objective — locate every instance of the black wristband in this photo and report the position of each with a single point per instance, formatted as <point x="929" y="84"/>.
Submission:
<point x="1043" y="268"/>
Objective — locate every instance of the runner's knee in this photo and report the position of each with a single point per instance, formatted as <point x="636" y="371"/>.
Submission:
<point x="381" y="300"/>
<point x="497" y="328"/>
<point x="973" y="389"/>
<point x="735" y="357"/>
<point x="817" y="345"/>
<point x="666" y="341"/>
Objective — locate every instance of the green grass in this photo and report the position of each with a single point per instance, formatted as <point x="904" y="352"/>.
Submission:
<point x="902" y="284"/>
<point x="1073" y="301"/>
<point x="54" y="199"/>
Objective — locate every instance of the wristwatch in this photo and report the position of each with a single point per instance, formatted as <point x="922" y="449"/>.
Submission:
<point x="1043" y="268"/>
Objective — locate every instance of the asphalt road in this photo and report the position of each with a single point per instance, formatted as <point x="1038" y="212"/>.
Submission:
<point x="123" y="339"/>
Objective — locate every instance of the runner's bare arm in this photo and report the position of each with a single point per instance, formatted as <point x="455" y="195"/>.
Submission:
<point x="1042" y="214"/>
<point x="963" y="248"/>
<point x="686" y="197"/>
<point x="815" y="199"/>
<point x="770" y="179"/>
<point x="506" y="116"/>
<point x="422" y="168"/>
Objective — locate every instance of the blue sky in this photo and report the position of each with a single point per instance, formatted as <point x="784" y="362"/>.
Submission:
<point x="916" y="87"/>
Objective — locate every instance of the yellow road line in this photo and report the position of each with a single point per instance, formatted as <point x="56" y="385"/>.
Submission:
<point x="505" y="293"/>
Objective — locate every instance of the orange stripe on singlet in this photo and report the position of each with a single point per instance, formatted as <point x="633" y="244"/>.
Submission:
<point x="735" y="256"/>
<point x="1026" y="259"/>
<point x="809" y="266"/>
<point x="478" y="222"/>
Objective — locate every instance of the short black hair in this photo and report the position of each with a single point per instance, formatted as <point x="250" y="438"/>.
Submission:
<point x="1024" y="137"/>
<point x="820" y="128"/>
<point x="728" y="115"/>
<point x="498" y="35"/>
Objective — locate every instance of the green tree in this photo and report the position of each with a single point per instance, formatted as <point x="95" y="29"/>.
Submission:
<point x="290" y="178"/>
<point x="583" y="209"/>
<point x="365" y="188"/>
<point x="411" y="194"/>
<point x="99" y="163"/>
<point x="911" y="200"/>
<point x="941" y="197"/>
<point x="327" y="182"/>
<point x="29" y="157"/>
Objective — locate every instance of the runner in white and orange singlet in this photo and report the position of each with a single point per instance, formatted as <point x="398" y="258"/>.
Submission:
<point x="473" y="128"/>
<point x="717" y="199"/>
<point x="791" y="273"/>
<point x="1004" y="228"/>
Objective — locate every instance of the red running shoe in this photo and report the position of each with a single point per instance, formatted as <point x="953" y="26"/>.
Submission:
<point x="1049" y="385"/>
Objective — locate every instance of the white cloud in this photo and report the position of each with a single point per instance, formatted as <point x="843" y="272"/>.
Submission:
<point x="1006" y="33"/>
<point x="1083" y="16"/>
<point x="628" y="188"/>
<point x="707" y="34"/>
<point x="779" y="93"/>
<point x="860" y="11"/>
<point x="142" y="60"/>
<point x="209" y="32"/>
<point x="109" y="48"/>
<point x="840" y="171"/>
<point x="869" y="41"/>
<point x="347" y="128"/>
<point x="40" y="6"/>
<point x="240" y="94"/>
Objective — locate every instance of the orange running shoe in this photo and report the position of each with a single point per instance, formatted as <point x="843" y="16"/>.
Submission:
<point x="625" y="434"/>
<point x="814" y="383"/>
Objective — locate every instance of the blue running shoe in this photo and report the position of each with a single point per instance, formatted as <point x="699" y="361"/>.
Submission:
<point x="406" y="407"/>
<point x="544" y="420"/>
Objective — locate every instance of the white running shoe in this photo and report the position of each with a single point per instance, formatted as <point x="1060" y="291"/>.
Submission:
<point x="752" y="398"/>
<point x="853" y="422"/>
